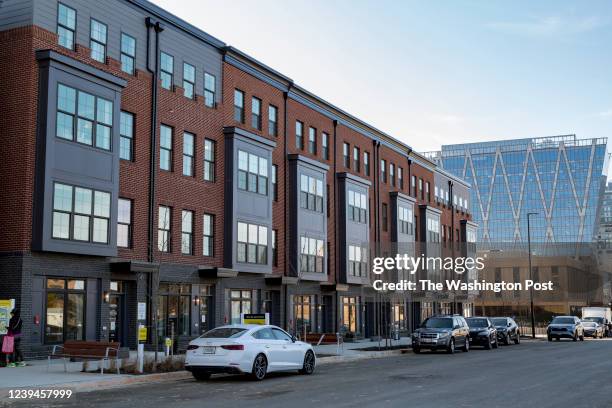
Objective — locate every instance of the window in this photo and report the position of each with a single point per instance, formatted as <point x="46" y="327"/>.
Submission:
<point x="238" y="106"/>
<point x="392" y="174"/>
<point x="208" y="230"/>
<point x="174" y="310"/>
<point x="128" y="53"/>
<point x="405" y="220"/>
<point x="312" y="255"/>
<point x="357" y="207"/>
<point x="345" y="152"/>
<point x="165" y="148"/>
<point x="302" y="312"/>
<point x="83" y="117"/>
<point x="252" y="173"/>
<point x="413" y="183"/>
<point x="209" y="160"/>
<point x="256" y="113"/>
<point x="272" y="120"/>
<point x="421" y="188"/>
<point x="163" y="229"/>
<point x="240" y="303"/>
<point x="97" y="41"/>
<point x="433" y="229"/>
<point x="299" y="134"/>
<point x="383" y="171"/>
<point x="385" y="217"/>
<point x="189" y="75"/>
<point x="252" y="244"/>
<point x="126" y="133"/>
<point x="210" y="89"/>
<point x="188" y="153"/>
<point x="311" y="193"/>
<point x="187" y="232"/>
<point x="427" y="193"/>
<point x="167" y="70"/>
<point x="274" y="182"/>
<point x="80" y="214"/>
<point x="66" y="26"/>
<point x="274" y="248"/>
<point x="312" y="140"/>
<point x="358" y="263"/>
<point x="366" y="163"/>
<point x="65" y="310"/>
<point x="356" y="159"/>
<point x="124" y="223"/>
<point x="325" y="145"/>
<point x="400" y="177"/>
<point x="349" y="313"/>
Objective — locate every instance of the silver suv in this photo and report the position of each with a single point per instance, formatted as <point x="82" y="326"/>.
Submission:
<point x="569" y="327"/>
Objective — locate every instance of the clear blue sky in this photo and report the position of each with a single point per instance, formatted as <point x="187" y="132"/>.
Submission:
<point x="434" y="72"/>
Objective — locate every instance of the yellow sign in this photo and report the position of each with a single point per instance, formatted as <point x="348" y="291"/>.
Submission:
<point x="168" y="342"/>
<point x="142" y="333"/>
<point x="255" y="318"/>
<point x="6" y="305"/>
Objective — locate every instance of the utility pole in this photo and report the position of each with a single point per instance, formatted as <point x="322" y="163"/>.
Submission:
<point x="530" y="274"/>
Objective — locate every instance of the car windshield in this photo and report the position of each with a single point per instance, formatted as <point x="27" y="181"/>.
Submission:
<point x="438" y="323"/>
<point x="477" y="322"/>
<point x="593" y="319"/>
<point x="224" y="333"/>
<point x="563" y="320"/>
<point x="589" y="324"/>
<point x="499" y="321"/>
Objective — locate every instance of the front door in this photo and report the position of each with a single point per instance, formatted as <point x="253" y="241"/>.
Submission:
<point x="117" y="314"/>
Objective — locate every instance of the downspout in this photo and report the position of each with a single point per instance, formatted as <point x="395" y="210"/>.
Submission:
<point x="376" y="179"/>
<point x="336" y="228"/>
<point x="286" y="215"/>
<point x="452" y="233"/>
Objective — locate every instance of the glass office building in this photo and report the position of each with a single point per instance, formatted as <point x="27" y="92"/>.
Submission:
<point x="560" y="178"/>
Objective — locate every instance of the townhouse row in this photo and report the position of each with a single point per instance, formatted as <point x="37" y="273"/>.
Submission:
<point x="153" y="175"/>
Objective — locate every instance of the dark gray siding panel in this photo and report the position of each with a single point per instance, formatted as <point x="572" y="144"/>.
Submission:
<point x="121" y="16"/>
<point x="15" y="13"/>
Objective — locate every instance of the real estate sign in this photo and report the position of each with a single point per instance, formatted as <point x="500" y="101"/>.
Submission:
<point x="255" y="318"/>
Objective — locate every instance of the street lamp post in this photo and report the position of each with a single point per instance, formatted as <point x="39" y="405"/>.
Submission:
<point x="530" y="274"/>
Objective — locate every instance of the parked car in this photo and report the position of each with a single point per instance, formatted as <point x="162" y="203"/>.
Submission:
<point x="593" y="329"/>
<point x="568" y="327"/>
<point x="601" y="315"/>
<point x="605" y="325"/>
<point x="507" y="330"/>
<point x="442" y="333"/>
<point x="482" y="332"/>
<point x="248" y="349"/>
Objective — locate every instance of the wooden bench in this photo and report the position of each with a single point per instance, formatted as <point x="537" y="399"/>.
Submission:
<point x="321" y="338"/>
<point x="86" y="350"/>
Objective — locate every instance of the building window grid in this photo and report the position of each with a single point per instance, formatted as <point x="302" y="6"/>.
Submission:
<point x="400" y="177"/>
<point x="124" y="223"/>
<point x="366" y="163"/>
<point x="252" y="244"/>
<point x="189" y="79"/>
<point x="357" y="207"/>
<point x="405" y="217"/>
<point x="311" y="193"/>
<point x="128" y="53"/>
<point x="358" y="261"/>
<point x="392" y="174"/>
<point x="312" y="255"/>
<point x="188" y="154"/>
<point x="325" y="145"/>
<point x="66" y="26"/>
<point x="312" y="140"/>
<point x="210" y="90"/>
<point x="274" y="248"/>
<point x="256" y="113"/>
<point x="252" y="173"/>
<point x="164" y="225"/>
<point x="97" y="40"/>
<point x="385" y="217"/>
<point x="274" y="182"/>
<point x="126" y="134"/>
<point x="383" y="171"/>
<point x="165" y="148"/>
<point x="209" y="160"/>
<point x="208" y="232"/>
<point x="187" y="232"/>
<point x="272" y="121"/>
<point x="346" y="154"/>
<point x="299" y="135"/>
<point x="356" y="159"/>
<point x="166" y="70"/>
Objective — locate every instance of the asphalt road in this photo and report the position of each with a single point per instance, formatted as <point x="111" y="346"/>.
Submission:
<point x="532" y="374"/>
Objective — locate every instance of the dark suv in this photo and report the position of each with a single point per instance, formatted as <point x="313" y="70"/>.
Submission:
<point x="482" y="332"/>
<point x="442" y="333"/>
<point x="507" y="330"/>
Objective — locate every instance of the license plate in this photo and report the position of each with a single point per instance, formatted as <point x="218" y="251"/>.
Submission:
<point x="208" y="350"/>
<point x="427" y="340"/>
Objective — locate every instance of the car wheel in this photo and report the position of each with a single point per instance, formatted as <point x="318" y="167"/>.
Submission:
<point x="309" y="363"/>
<point x="549" y="338"/>
<point x="451" y="347"/>
<point x="575" y="338"/>
<point x="200" y="375"/>
<point x="507" y="340"/>
<point x="416" y="350"/>
<point x="517" y="339"/>
<point x="466" y="347"/>
<point x="260" y="367"/>
<point x="488" y="346"/>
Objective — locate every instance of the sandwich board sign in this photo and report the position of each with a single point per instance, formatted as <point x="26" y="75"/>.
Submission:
<point x="255" y="318"/>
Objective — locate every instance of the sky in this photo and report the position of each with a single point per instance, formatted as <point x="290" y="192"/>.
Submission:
<point x="434" y="72"/>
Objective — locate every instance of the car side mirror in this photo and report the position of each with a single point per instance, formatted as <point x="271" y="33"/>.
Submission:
<point x="509" y="324"/>
<point x="293" y="339"/>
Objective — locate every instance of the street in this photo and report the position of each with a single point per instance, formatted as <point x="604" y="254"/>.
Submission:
<point x="534" y="373"/>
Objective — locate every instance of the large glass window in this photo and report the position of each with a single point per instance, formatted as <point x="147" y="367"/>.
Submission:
<point x="64" y="310"/>
<point x="302" y="311"/>
<point x="311" y="193"/>
<point x="252" y="173"/>
<point x="83" y="117"/>
<point x="163" y="229"/>
<point x="66" y="25"/>
<point x="272" y="120"/>
<point x="210" y="90"/>
<point x="126" y="132"/>
<point x="312" y="140"/>
<point x="366" y="163"/>
<point x="173" y="312"/>
<point x="299" y="134"/>
<point x="349" y="313"/>
<point x="97" y="40"/>
<point x="433" y="229"/>
<point x="165" y="148"/>
<point x="358" y="261"/>
<point x="240" y="302"/>
<point x="256" y="113"/>
<point x="405" y="220"/>
<point x="357" y="207"/>
<point x="187" y="232"/>
<point x="312" y="254"/>
<point x="252" y="246"/>
<point x="189" y="78"/>
<point x="188" y="153"/>
<point x="325" y="145"/>
<point x="209" y="160"/>
<point x="124" y="223"/>
<point x="238" y="106"/>
<point x="208" y="231"/>
<point x="167" y="70"/>
<point x="128" y="53"/>
<point x="356" y="159"/>
<point x="80" y="214"/>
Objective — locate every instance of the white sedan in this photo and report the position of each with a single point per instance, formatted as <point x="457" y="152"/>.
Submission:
<point x="248" y="349"/>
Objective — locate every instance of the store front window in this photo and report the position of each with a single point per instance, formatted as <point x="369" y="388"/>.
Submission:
<point x="240" y="302"/>
<point x="173" y="310"/>
<point x="65" y="310"/>
<point x="399" y="316"/>
<point x="349" y="314"/>
<point x="302" y="312"/>
<point x="426" y="310"/>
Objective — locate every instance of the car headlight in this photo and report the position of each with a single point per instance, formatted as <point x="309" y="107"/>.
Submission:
<point x="443" y="335"/>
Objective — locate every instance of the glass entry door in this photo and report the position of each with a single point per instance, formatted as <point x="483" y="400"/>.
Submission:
<point x="116" y="313"/>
